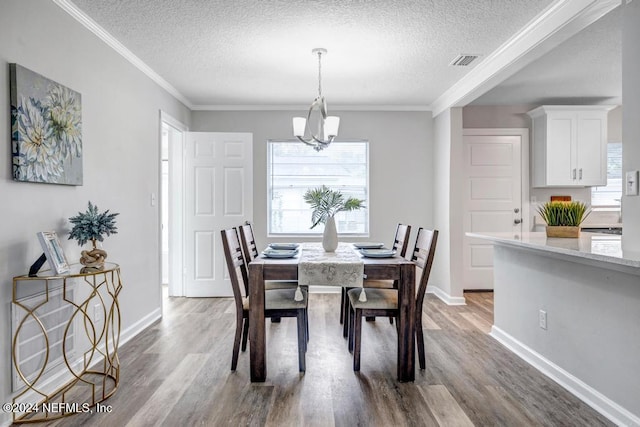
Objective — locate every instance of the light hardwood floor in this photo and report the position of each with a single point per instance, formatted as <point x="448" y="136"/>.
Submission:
<point x="177" y="373"/>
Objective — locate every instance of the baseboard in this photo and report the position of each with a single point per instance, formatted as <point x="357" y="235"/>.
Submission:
<point x="140" y="325"/>
<point x="58" y="380"/>
<point x="592" y="397"/>
<point x="448" y="299"/>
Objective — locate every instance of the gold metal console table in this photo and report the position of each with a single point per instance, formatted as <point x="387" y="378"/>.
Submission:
<point x="66" y="331"/>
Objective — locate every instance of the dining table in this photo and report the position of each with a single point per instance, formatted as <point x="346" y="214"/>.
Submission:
<point x="395" y="268"/>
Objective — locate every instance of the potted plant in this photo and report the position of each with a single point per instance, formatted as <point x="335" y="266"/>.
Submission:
<point x="563" y="218"/>
<point x="325" y="203"/>
<point x="92" y="226"/>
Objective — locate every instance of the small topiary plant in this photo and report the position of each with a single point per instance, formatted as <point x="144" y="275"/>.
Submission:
<point x="92" y="225"/>
<point x="563" y="213"/>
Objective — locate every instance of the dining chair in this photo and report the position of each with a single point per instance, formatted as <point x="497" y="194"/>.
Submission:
<point x="400" y="245"/>
<point x="278" y="302"/>
<point x="251" y="252"/>
<point x="384" y="302"/>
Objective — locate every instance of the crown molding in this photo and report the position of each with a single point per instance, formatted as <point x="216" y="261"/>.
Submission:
<point x="554" y="25"/>
<point x="301" y="107"/>
<point x="69" y="7"/>
<point x="112" y="42"/>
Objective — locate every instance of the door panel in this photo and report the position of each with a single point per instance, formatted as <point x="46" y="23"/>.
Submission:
<point x="218" y="195"/>
<point x="493" y="186"/>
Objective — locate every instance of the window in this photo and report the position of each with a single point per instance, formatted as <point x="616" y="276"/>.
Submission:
<point x="294" y="167"/>
<point x="610" y="195"/>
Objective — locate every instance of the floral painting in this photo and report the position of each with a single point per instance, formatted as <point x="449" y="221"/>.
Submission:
<point x="46" y="129"/>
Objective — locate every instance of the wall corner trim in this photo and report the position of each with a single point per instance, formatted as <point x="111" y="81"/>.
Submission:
<point x="592" y="397"/>
<point x="448" y="299"/>
<point x="140" y="326"/>
<point x="113" y="43"/>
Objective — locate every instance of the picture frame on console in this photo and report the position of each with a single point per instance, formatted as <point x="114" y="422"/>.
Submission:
<point x="53" y="252"/>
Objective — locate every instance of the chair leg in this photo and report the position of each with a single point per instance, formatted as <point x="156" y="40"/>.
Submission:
<point x="306" y="321"/>
<point x="245" y="334"/>
<point x="236" y="342"/>
<point x="420" y="342"/>
<point x="302" y="340"/>
<point x="357" y="335"/>
<point x="347" y="311"/>
<point x="343" y="302"/>
<point x="351" y="327"/>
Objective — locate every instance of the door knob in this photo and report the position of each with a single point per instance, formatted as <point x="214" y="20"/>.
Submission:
<point x="517" y="221"/>
<point x="516" y="210"/>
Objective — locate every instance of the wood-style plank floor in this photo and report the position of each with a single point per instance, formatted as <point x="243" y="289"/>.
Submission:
<point x="177" y="373"/>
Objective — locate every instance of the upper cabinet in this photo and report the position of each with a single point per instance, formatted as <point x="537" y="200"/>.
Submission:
<point x="569" y="146"/>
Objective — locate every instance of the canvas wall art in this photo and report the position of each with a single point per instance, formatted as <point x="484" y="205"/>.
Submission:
<point x="46" y="129"/>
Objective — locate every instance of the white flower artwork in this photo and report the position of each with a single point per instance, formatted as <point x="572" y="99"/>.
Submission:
<point x="46" y="129"/>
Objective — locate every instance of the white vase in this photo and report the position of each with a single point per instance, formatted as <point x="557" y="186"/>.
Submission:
<point x="330" y="236"/>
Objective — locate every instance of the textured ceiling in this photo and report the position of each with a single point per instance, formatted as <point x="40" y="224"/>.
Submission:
<point x="258" y="52"/>
<point x="586" y="69"/>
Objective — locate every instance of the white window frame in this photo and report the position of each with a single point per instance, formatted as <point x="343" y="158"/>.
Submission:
<point x="316" y="232"/>
<point x="609" y="207"/>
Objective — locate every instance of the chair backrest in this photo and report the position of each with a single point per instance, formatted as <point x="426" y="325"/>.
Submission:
<point x="248" y="242"/>
<point x="401" y="240"/>
<point x="423" y="257"/>
<point x="236" y="265"/>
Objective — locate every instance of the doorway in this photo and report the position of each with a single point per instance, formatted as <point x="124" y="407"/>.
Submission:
<point x="171" y="204"/>
<point x="495" y="197"/>
<point x="206" y="185"/>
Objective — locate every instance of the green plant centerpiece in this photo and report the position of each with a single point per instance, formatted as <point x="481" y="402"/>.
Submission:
<point x="325" y="204"/>
<point x="92" y="226"/>
<point x="563" y="218"/>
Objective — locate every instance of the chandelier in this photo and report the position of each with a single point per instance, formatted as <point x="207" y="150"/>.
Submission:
<point x="327" y="126"/>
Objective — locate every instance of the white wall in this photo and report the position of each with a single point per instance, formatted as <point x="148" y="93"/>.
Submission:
<point x="440" y="281"/>
<point x="120" y="119"/>
<point x="630" y="121"/>
<point x="400" y="170"/>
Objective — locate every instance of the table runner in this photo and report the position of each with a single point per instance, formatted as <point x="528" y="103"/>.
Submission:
<point x="344" y="267"/>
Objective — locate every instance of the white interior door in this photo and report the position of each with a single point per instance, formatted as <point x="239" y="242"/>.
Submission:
<point x="218" y="195"/>
<point x="492" y="200"/>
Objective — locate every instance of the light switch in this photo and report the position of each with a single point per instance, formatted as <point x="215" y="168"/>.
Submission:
<point x="631" y="183"/>
<point x="153" y="199"/>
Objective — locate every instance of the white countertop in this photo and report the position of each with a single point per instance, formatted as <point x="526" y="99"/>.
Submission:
<point x="592" y="246"/>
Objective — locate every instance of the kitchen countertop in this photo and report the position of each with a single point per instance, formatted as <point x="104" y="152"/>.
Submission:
<point x="605" y="248"/>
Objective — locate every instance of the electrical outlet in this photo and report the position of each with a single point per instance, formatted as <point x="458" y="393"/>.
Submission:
<point x="542" y="319"/>
<point x="97" y="313"/>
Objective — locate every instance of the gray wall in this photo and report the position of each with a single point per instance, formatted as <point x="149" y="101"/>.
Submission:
<point x="400" y="156"/>
<point x="120" y="119"/>
<point x="441" y="272"/>
<point x="630" y="121"/>
<point x="593" y="318"/>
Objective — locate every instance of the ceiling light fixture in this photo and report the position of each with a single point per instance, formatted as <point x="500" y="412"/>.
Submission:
<point x="327" y="125"/>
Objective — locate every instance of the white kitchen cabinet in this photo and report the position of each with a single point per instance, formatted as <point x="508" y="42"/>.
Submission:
<point x="569" y="146"/>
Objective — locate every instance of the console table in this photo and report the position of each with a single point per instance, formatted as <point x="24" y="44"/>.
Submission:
<point x="66" y="331"/>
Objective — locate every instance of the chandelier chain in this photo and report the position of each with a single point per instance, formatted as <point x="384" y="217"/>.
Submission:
<point x="319" y="74"/>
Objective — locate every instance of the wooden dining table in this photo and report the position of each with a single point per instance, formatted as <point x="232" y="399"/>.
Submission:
<point x="394" y="268"/>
